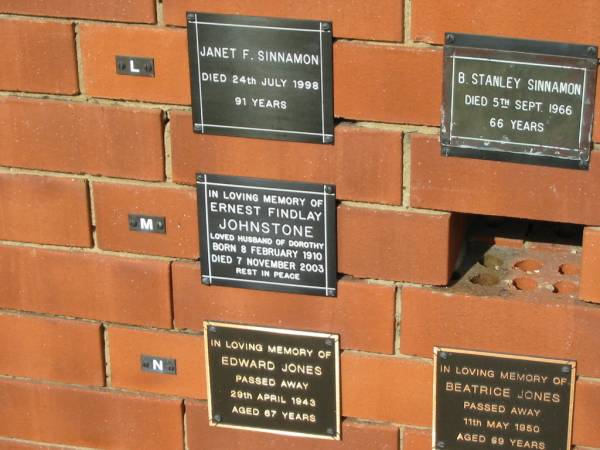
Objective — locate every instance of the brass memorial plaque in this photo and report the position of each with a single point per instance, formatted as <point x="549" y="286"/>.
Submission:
<point x="273" y="380"/>
<point x="497" y="401"/>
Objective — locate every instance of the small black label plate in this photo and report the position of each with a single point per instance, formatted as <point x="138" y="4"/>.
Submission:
<point x="158" y="364"/>
<point x="495" y="401"/>
<point x="134" y="65"/>
<point x="147" y="224"/>
<point x="518" y="100"/>
<point x="261" y="77"/>
<point x="267" y="234"/>
<point x="273" y="380"/>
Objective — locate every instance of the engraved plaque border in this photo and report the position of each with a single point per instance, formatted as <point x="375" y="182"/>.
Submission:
<point x="526" y="52"/>
<point x="564" y="362"/>
<point x="327" y="191"/>
<point x="286" y="331"/>
<point x="267" y="24"/>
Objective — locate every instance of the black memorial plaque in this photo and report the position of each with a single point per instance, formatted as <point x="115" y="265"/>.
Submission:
<point x="496" y="401"/>
<point x="273" y="380"/>
<point x="261" y="77"/>
<point x="517" y="100"/>
<point x="267" y="234"/>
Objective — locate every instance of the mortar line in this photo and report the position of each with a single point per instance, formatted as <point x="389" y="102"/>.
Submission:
<point x="408" y="22"/>
<point x="185" y="426"/>
<point x="89" y="100"/>
<point x="79" y="58"/>
<point x="49" y="445"/>
<point x="83" y="20"/>
<point x="159" y="13"/>
<point x="101" y="322"/>
<point x="92" y="212"/>
<point x="393" y="208"/>
<point x="107" y="361"/>
<point x="397" y="319"/>
<point x="94" y="251"/>
<point x="92" y="388"/>
<point x="160" y="184"/>
<point x="401" y="437"/>
<point x="406" y="168"/>
<point x="167" y="147"/>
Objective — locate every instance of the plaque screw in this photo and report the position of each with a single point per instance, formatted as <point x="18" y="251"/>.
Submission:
<point x="212" y="329"/>
<point x="445" y="151"/>
<point x="330" y="431"/>
<point x="591" y="51"/>
<point x="217" y="418"/>
<point x="566" y="369"/>
<point x="191" y="16"/>
<point x="441" y="444"/>
<point x="325" y="26"/>
<point x="147" y="67"/>
<point x="197" y="127"/>
<point x="449" y="38"/>
<point x="146" y="365"/>
<point x="328" y="139"/>
<point x="328" y="342"/>
<point x="443" y="355"/>
<point x="200" y="178"/>
<point x="159" y="224"/>
<point x="328" y="189"/>
<point x="330" y="293"/>
<point x="205" y="280"/>
<point x="122" y="66"/>
<point x="133" y="222"/>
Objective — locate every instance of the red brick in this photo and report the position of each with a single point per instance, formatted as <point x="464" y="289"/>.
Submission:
<point x="114" y="202"/>
<point x="419" y="247"/>
<point x="125" y="290"/>
<point x="589" y="287"/>
<point x="586" y="431"/>
<point x="123" y="11"/>
<point x="127" y="346"/>
<point x="386" y="388"/>
<point x="38" y="57"/>
<point x="519" y="324"/>
<point x="48" y="210"/>
<point x="89" y="418"/>
<point x="51" y="348"/>
<point x="194" y="302"/>
<point x="364" y="163"/>
<point x="355" y="436"/>
<point x="502" y="189"/>
<point x="82" y="138"/>
<point x="387" y="83"/>
<point x="560" y="21"/>
<point x="414" y="439"/>
<point x="168" y="48"/>
<point x="380" y="20"/>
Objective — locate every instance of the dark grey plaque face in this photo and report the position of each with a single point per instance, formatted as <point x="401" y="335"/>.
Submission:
<point x="267" y="234"/>
<point x="273" y="380"/>
<point x="495" y="401"/>
<point x="516" y="100"/>
<point x="261" y="77"/>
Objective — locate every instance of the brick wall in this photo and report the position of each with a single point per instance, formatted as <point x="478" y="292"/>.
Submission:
<point x="82" y="297"/>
